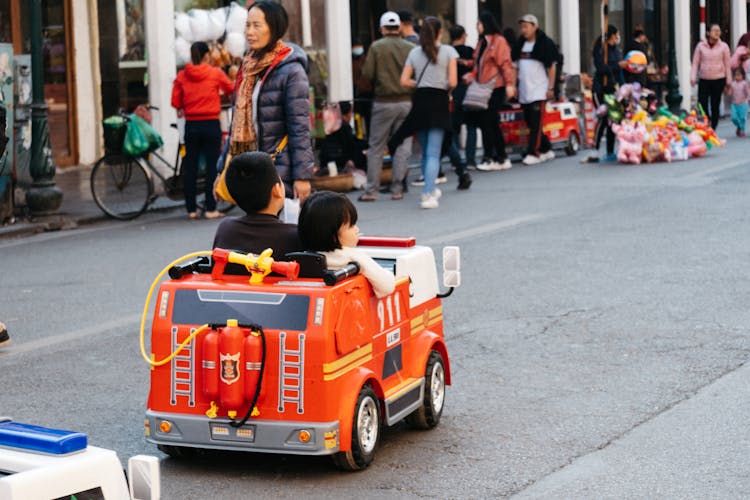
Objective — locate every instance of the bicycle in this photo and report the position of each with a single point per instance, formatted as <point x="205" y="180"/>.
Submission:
<point x="123" y="186"/>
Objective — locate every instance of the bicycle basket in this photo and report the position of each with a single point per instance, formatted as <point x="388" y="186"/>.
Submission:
<point x="114" y="134"/>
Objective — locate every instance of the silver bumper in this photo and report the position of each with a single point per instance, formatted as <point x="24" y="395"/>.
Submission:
<point x="264" y="436"/>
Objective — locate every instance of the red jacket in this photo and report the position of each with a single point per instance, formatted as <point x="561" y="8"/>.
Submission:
<point x="196" y="91"/>
<point x="495" y="61"/>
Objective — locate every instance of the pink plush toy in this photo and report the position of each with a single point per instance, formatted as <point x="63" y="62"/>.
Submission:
<point x="696" y="145"/>
<point x="630" y="138"/>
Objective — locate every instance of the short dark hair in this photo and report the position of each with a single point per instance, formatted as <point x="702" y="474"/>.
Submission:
<point x="197" y="51"/>
<point x="638" y="32"/>
<point x="321" y="217"/>
<point x="276" y="18"/>
<point x="405" y="15"/>
<point x="456" y="31"/>
<point x="250" y="178"/>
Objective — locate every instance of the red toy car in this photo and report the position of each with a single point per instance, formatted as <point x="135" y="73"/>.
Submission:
<point x="559" y="123"/>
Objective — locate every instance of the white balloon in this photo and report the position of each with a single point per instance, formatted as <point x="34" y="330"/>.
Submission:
<point x="236" y="19"/>
<point x="236" y="44"/>
<point x="182" y="25"/>
<point x="218" y="20"/>
<point x="182" y="51"/>
<point x="200" y="25"/>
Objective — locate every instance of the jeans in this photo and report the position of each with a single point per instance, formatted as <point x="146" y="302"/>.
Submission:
<point x="201" y="136"/>
<point x="431" y="141"/>
<point x="386" y="119"/>
<point x="739" y="115"/>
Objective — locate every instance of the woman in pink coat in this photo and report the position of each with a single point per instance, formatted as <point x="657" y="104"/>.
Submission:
<point x="712" y="70"/>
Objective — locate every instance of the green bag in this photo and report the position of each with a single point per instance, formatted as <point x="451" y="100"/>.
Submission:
<point x="152" y="136"/>
<point x="135" y="143"/>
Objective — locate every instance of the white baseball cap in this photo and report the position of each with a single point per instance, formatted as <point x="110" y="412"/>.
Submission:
<point x="529" y="18"/>
<point x="390" y="20"/>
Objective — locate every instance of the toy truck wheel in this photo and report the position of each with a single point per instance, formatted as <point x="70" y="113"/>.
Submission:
<point x="428" y="415"/>
<point x="180" y="452"/>
<point x="365" y="432"/>
<point x="573" y="145"/>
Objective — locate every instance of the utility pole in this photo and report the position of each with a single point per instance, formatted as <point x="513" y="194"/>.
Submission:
<point x="674" y="99"/>
<point x="43" y="197"/>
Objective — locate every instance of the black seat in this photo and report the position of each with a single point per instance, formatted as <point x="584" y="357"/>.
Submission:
<point x="311" y="264"/>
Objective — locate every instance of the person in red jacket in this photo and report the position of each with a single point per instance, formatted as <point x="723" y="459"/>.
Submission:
<point x="195" y="94"/>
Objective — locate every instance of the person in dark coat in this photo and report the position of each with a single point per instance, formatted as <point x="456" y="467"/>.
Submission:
<point x="606" y="79"/>
<point x="272" y="96"/>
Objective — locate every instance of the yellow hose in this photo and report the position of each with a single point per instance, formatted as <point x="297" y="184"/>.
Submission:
<point x="145" y="311"/>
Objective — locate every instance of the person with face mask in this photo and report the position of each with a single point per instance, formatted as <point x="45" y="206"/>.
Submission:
<point x="712" y="71"/>
<point x="362" y="88"/>
<point x="606" y="79"/>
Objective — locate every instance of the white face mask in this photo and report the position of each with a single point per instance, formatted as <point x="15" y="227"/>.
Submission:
<point x="358" y="51"/>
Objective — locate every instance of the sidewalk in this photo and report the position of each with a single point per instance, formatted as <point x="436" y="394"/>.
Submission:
<point x="77" y="209"/>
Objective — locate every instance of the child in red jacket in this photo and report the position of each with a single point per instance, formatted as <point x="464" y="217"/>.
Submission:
<point x="195" y="94"/>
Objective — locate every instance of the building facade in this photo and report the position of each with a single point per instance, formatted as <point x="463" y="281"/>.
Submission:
<point x="106" y="55"/>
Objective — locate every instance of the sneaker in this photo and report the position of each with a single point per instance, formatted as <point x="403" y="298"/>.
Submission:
<point x="429" y="201"/>
<point x="549" y="155"/>
<point x="609" y="157"/>
<point x="464" y="182"/>
<point x="418" y="182"/>
<point x="471" y="166"/>
<point x="368" y="197"/>
<point x="213" y="214"/>
<point x="531" y="160"/>
<point x="504" y="165"/>
<point x="486" y="165"/>
<point x="4" y="337"/>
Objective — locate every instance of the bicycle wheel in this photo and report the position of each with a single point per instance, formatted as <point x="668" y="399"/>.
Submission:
<point x="121" y="186"/>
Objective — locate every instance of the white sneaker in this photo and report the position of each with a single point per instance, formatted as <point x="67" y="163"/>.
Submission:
<point x="531" y="160"/>
<point x="437" y="194"/>
<point x="549" y="155"/>
<point x="441" y="179"/>
<point x="486" y="166"/>
<point x="429" y="201"/>
<point x="506" y="165"/>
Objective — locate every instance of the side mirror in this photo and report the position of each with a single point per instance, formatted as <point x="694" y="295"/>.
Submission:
<point x="144" y="477"/>
<point x="451" y="267"/>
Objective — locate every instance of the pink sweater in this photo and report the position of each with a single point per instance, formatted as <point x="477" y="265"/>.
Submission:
<point x="740" y="91"/>
<point x="711" y="62"/>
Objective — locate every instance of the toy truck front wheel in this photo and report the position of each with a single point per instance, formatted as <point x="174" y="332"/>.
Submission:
<point x="574" y="143"/>
<point x="365" y="432"/>
<point x="428" y="415"/>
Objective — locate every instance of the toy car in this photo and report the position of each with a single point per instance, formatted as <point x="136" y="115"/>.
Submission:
<point x="43" y="463"/>
<point x="308" y="363"/>
<point x="559" y="123"/>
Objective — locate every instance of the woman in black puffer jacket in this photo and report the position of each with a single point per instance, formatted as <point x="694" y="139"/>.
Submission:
<point x="272" y="100"/>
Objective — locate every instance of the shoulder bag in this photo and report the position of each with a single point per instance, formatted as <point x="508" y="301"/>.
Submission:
<point x="221" y="185"/>
<point x="478" y="95"/>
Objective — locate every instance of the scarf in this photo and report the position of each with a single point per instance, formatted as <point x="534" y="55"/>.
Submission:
<point x="243" y="131"/>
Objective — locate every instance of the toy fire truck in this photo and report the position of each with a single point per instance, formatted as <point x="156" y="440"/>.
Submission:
<point x="559" y="123"/>
<point x="306" y="362"/>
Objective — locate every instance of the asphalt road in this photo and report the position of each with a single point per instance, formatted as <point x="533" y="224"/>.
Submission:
<point x="597" y="344"/>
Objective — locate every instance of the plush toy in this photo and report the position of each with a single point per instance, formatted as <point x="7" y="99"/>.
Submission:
<point x="696" y="145"/>
<point x="630" y="141"/>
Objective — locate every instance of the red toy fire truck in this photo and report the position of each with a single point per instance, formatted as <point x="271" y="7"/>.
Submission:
<point x="307" y="361"/>
<point x="559" y="123"/>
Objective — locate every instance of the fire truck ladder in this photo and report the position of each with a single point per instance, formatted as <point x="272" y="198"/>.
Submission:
<point x="182" y="370"/>
<point x="291" y="373"/>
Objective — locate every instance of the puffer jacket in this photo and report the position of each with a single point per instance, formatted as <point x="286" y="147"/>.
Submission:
<point x="284" y="109"/>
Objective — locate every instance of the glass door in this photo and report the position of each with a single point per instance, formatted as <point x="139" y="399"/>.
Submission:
<point x="59" y="89"/>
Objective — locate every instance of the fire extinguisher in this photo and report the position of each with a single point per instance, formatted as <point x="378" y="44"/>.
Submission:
<point x="231" y="340"/>
<point x="253" y="359"/>
<point x="209" y="359"/>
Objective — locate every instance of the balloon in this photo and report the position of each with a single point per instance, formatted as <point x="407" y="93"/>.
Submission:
<point x="636" y="60"/>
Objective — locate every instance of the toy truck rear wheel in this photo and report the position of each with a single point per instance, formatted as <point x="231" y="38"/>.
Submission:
<point x="365" y="433"/>
<point x="573" y="145"/>
<point x="428" y="415"/>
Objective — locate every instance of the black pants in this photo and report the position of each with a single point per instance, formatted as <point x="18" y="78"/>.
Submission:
<point x="602" y="126"/>
<point x="709" y="94"/>
<point x="492" y="136"/>
<point x="538" y="142"/>
<point x="201" y="137"/>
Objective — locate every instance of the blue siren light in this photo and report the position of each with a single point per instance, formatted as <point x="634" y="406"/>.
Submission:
<point x="41" y="439"/>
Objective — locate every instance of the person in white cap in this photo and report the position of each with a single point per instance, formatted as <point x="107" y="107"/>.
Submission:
<point x="535" y="55"/>
<point x="383" y="66"/>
